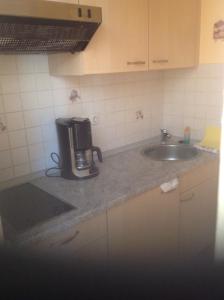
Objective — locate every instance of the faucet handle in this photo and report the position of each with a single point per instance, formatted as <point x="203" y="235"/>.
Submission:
<point x="164" y="131"/>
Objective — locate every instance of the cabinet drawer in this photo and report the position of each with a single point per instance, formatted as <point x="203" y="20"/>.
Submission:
<point x="198" y="175"/>
<point x="75" y="237"/>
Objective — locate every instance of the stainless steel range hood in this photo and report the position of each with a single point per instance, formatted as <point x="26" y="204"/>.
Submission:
<point x="36" y="26"/>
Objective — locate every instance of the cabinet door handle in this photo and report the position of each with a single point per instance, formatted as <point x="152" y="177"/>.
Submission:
<point x="187" y="199"/>
<point x="135" y="63"/>
<point x="67" y="241"/>
<point x="160" y="61"/>
<point x="70" y="239"/>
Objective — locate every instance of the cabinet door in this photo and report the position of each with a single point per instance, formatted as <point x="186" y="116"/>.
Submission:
<point x="69" y="242"/>
<point x="144" y="229"/>
<point x="119" y="45"/>
<point x="95" y="252"/>
<point x="173" y="33"/>
<point x="66" y="1"/>
<point x="198" y="219"/>
<point x="124" y="31"/>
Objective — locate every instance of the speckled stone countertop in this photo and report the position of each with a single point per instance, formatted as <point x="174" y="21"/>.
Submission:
<point x="122" y="175"/>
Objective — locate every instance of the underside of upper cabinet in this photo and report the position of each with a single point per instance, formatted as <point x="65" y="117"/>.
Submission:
<point x="137" y="35"/>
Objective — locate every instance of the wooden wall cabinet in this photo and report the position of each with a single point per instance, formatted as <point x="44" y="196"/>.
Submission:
<point x="66" y="1"/>
<point x="136" y="35"/>
<point x="119" y="45"/>
<point x="174" y="33"/>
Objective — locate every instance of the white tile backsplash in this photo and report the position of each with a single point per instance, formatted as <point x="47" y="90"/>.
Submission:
<point x="193" y="98"/>
<point x="4" y="141"/>
<point x="20" y="156"/>
<point x="36" y="151"/>
<point x="31" y="100"/>
<point x="9" y="84"/>
<point x="43" y="81"/>
<point x="12" y="103"/>
<point x="14" y="121"/>
<point x="34" y="135"/>
<point x="8" y="65"/>
<point x="27" y="83"/>
<point x="6" y="174"/>
<point x="32" y="118"/>
<point x="5" y="159"/>
<point x="22" y="170"/>
<point x="38" y="165"/>
<point x="25" y="64"/>
<point x="17" y="138"/>
<point x="45" y="99"/>
<point x="1" y="105"/>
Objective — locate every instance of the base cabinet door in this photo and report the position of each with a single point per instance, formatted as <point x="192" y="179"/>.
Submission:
<point x="85" y="242"/>
<point x="144" y="229"/>
<point x="95" y="252"/>
<point x="198" y="221"/>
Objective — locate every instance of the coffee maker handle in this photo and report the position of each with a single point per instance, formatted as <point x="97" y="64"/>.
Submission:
<point x="99" y="153"/>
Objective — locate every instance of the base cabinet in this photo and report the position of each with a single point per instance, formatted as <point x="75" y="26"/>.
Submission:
<point x="153" y="228"/>
<point x="144" y="229"/>
<point x="198" y="220"/>
<point x="95" y="252"/>
<point x="86" y="242"/>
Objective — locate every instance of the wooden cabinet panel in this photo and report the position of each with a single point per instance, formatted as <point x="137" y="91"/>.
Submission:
<point x="66" y="1"/>
<point x="144" y="229"/>
<point x="119" y="45"/>
<point x="75" y="238"/>
<point x="137" y="35"/>
<point x="197" y="175"/>
<point x="198" y="218"/>
<point x="174" y="28"/>
<point x="95" y="252"/>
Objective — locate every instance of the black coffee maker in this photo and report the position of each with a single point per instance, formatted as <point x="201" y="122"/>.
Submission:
<point x="76" y="149"/>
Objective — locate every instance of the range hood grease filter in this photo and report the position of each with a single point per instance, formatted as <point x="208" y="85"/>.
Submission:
<point x="34" y="26"/>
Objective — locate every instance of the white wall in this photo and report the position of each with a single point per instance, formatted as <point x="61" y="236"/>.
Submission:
<point x="31" y="100"/>
<point x="193" y="97"/>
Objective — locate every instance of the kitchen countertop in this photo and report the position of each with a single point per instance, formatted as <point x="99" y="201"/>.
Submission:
<point x="123" y="174"/>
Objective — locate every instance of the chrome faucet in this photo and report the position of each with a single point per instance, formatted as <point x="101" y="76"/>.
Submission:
<point x="165" y="135"/>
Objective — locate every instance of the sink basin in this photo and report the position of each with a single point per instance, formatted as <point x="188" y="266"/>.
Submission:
<point x="171" y="152"/>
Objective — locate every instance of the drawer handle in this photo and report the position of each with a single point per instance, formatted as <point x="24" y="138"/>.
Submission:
<point x="69" y="240"/>
<point x="187" y="199"/>
<point x="160" y="61"/>
<point x="136" y="63"/>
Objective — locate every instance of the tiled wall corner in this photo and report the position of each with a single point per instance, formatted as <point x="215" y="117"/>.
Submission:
<point x="31" y="100"/>
<point x="194" y="98"/>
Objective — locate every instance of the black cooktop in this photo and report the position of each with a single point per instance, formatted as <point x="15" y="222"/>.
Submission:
<point x="25" y="206"/>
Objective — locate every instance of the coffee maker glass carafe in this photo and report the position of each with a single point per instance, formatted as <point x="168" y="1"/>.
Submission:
<point x="76" y="149"/>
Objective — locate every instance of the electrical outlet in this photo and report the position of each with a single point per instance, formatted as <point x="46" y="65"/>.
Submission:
<point x="139" y="115"/>
<point x="74" y="96"/>
<point x="2" y="126"/>
<point x="95" y="120"/>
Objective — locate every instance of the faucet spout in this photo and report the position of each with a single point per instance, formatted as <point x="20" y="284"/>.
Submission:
<point x="165" y="135"/>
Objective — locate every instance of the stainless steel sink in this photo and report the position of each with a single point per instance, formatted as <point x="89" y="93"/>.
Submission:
<point x="171" y="152"/>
